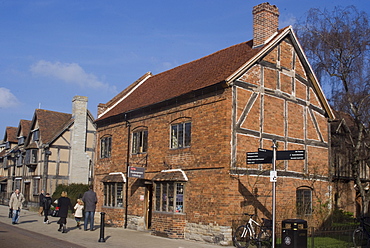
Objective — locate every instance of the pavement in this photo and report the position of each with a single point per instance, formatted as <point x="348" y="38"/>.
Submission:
<point x="111" y="237"/>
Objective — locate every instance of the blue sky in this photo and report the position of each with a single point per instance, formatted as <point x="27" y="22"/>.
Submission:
<point x="52" y="50"/>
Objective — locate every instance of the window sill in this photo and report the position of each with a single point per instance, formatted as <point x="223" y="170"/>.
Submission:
<point x="168" y="213"/>
<point x="112" y="207"/>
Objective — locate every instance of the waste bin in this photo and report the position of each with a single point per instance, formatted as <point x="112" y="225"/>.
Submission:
<point x="294" y="233"/>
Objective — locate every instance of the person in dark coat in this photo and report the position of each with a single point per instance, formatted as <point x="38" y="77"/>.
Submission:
<point x="90" y="200"/>
<point x="46" y="206"/>
<point x="64" y="203"/>
<point x="41" y="202"/>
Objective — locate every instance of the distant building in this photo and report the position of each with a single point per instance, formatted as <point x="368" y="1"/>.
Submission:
<point x="191" y="127"/>
<point x="54" y="148"/>
<point x="343" y="143"/>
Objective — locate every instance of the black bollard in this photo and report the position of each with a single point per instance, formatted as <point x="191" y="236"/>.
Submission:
<point x="101" y="239"/>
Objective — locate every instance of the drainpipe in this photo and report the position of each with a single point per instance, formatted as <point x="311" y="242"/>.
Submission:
<point x="128" y="125"/>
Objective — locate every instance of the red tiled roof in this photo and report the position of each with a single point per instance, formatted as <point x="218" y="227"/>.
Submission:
<point x="51" y="123"/>
<point x="11" y="134"/>
<point x="25" y="125"/>
<point x="198" y="74"/>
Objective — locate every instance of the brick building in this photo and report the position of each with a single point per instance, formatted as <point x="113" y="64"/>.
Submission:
<point x="190" y="128"/>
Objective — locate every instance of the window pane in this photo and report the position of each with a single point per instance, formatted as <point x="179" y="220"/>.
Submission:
<point x="158" y="197"/>
<point x="109" y="147"/>
<point x="134" y="143"/>
<point x="102" y="148"/>
<point x="164" y="197"/>
<point x="114" y="192"/>
<point x="170" y="197"/>
<point x="179" y="197"/>
<point x="174" y="140"/>
<point x="187" y="133"/>
<point x="180" y="135"/>
<point x="145" y="141"/>
<point x="105" y="194"/>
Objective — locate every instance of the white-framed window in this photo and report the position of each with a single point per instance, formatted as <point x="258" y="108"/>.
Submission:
<point x="140" y="142"/>
<point x="181" y="135"/>
<point x="169" y="197"/>
<point x="304" y="201"/>
<point x="113" y="194"/>
<point x="105" y="147"/>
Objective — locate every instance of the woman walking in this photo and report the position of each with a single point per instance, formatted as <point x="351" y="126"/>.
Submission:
<point x="64" y="203"/>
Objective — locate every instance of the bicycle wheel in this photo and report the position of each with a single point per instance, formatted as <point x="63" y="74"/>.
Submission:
<point x="265" y="238"/>
<point x="359" y="239"/>
<point x="242" y="237"/>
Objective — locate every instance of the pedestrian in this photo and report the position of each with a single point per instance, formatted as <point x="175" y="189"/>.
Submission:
<point x="90" y="200"/>
<point x="64" y="203"/>
<point x="79" y="212"/>
<point x="46" y="206"/>
<point x="41" y="202"/>
<point x="15" y="203"/>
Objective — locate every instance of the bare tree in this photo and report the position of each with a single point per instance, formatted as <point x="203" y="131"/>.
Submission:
<point x="337" y="45"/>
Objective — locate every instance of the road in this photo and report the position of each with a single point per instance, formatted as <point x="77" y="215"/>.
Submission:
<point x="13" y="237"/>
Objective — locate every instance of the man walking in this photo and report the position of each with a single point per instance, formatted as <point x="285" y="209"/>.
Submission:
<point x="15" y="203"/>
<point x="90" y="200"/>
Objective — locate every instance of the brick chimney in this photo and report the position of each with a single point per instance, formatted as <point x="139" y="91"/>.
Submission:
<point x="265" y="23"/>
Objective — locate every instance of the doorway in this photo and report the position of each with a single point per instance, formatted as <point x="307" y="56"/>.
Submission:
<point x="26" y="193"/>
<point x="148" y="205"/>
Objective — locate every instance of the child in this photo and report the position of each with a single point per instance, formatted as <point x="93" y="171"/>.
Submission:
<point x="78" y="213"/>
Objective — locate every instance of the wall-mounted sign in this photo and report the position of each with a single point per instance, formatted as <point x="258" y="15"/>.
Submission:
<point x="137" y="172"/>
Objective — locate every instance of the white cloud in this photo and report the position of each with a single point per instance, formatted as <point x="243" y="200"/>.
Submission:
<point x="7" y="99"/>
<point x="68" y="72"/>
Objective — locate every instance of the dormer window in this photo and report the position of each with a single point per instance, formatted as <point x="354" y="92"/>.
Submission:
<point x="21" y="140"/>
<point x="35" y="135"/>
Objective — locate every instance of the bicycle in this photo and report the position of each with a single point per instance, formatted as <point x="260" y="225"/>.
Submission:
<point x="253" y="233"/>
<point x="361" y="235"/>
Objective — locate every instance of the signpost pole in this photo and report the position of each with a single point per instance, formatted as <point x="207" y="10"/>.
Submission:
<point x="274" y="195"/>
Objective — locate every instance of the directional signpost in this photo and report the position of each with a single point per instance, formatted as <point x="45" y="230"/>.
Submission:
<point x="264" y="156"/>
<point x="291" y="155"/>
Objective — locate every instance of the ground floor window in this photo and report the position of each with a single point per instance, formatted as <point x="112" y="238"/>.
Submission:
<point x="36" y="186"/>
<point x="304" y="201"/>
<point x="113" y="194"/>
<point x="169" y="197"/>
<point x="17" y="183"/>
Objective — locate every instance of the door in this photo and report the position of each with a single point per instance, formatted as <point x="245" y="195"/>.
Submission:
<point x="26" y="193"/>
<point x="148" y="205"/>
